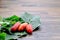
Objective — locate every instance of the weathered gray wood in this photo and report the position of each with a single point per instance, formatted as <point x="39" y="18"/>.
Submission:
<point x="30" y="3"/>
<point x="48" y="10"/>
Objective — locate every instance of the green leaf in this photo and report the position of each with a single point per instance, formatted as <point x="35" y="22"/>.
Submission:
<point x="1" y="22"/>
<point x="0" y="18"/>
<point x="31" y="19"/>
<point x="8" y="37"/>
<point x="21" y="34"/>
<point x="16" y="35"/>
<point x="5" y="30"/>
<point x="35" y="21"/>
<point x="2" y="36"/>
<point x="13" y="19"/>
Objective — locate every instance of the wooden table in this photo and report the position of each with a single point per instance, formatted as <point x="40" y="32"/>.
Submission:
<point x="48" y="10"/>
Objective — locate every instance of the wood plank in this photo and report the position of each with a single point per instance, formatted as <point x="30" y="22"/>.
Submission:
<point x="48" y="10"/>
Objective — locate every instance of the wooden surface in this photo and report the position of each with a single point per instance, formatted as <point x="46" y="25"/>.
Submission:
<point x="48" y="10"/>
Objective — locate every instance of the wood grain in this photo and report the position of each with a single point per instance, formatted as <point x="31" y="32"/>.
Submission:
<point x="48" y="10"/>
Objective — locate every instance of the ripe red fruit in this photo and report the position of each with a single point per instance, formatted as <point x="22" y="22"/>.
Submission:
<point x="15" y="26"/>
<point x="29" y="29"/>
<point x="22" y="26"/>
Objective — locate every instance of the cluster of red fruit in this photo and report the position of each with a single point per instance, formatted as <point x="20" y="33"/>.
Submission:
<point x="21" y="27"/>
